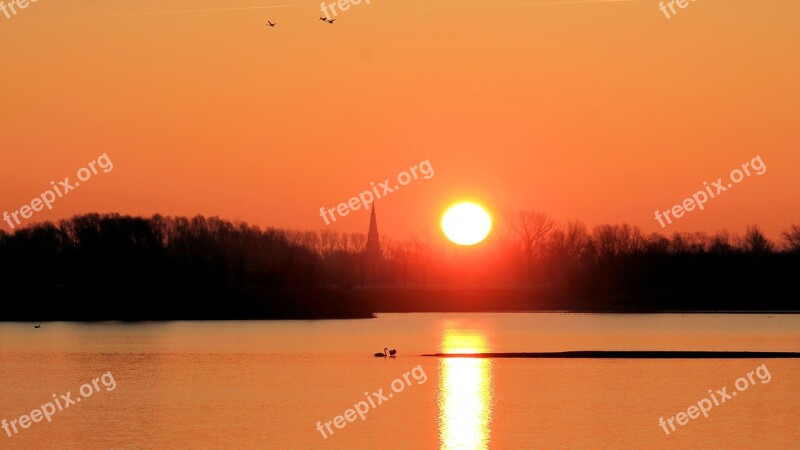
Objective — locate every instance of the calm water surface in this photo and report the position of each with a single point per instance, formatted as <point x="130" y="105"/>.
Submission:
<point x="267" y="384"/>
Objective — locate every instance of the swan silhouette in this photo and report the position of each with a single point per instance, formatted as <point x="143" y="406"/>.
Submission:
<point x="392" y="352"/>
<point x="382" y="355"/>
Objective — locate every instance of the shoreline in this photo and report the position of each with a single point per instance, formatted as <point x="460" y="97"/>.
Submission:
<point x="624" y="354"/>
<point x="376" y="313"/>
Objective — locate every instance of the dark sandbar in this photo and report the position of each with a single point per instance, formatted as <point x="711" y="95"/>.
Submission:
<point x="626" y="355"/>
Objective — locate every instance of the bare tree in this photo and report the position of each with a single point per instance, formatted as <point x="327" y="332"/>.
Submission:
<point x="533" y="230"/>
<point x="327" y="241"/>
<point x="721" y="242"/>
<point x="357" y="242"/>
<point x="657" y="243"/>
<point x="755" y="241"/>
<point x="792" y="238"/>
<point x="571" y="240"/>
<point x="614" y="240"/>
<point x="697" y="242"/>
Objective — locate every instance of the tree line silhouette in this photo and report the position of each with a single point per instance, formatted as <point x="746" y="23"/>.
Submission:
<point x="112" y="267"/>
<point x="104" y="267"/>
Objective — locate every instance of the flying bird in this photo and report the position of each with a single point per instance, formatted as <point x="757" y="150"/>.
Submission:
<point x="331" y="21"/>
<point x="323" y="19"/>
<point x="271" y="24"/>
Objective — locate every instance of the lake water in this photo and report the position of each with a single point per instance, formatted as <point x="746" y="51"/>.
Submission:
<point x="265" y="385"/>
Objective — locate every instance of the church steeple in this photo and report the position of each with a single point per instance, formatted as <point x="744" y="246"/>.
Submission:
<point x="373" y="243"/>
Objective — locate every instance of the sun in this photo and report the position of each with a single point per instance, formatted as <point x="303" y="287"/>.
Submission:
<point x="466" y="223"/>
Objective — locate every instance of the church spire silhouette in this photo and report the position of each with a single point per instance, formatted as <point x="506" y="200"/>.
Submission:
<point x="373" y="243"/>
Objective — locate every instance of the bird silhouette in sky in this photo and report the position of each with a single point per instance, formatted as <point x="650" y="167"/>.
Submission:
<point x="271" y="24"/>
<point x="323" y="19"/>
<point x="331" y="21"/>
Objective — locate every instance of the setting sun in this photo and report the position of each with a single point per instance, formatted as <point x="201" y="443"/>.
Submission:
<point x="466" y="223"/>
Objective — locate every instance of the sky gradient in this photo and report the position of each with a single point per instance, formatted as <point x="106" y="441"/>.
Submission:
<point x="601" y="112"/>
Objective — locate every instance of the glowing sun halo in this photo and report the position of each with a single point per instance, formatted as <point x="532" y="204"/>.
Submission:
<point x="466" y="223"/>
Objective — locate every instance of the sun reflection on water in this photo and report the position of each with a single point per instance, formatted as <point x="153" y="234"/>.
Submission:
<point x="465" y="399"/>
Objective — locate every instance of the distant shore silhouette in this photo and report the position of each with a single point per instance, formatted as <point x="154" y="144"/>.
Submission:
<point x="111" y="267"/>
<point x="633" y="354"/>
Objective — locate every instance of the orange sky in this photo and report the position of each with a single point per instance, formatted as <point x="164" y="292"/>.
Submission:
<point x="602" y="112"/>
